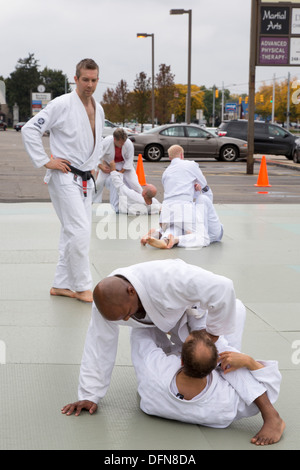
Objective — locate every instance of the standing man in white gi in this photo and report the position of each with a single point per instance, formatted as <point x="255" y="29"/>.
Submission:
<point x="190" y="387"/>
<point x="75" y="122"/>
<point x="120" y="149"/>
<point x="169" y="294"/>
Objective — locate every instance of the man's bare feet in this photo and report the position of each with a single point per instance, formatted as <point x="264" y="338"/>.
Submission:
<point x="84" y="296"/>
<point x="270" y="432"/>
<point x="162" y="243"/>
<point x="63" y="292"/>
<point x="145" y="238"/>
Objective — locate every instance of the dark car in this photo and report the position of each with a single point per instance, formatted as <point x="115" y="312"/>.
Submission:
<point x="269" y="139"/>
<point x="196" y="142"/>
<point x="3" y="125"/>
<point x="19" y="126"/>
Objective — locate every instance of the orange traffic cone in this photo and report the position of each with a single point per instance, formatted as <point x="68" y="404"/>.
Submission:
<point x="263" y="179"/>
<point x="140" y="171"/>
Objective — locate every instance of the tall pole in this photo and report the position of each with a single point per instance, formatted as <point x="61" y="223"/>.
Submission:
<point x="251" y="94"/>
<point x="288" y="103"/>
<point x="152" y="91"/>
<point x="145" y="35"/>
<point x="188" y="95"/>
<point x="188" y="117"/>
<point x="273" y="100"/>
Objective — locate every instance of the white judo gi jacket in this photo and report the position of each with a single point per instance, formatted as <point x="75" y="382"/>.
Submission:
<point x="71" y="135"/>
<point x="108" y="152"/>
<point x="108" y="155"/>
<point x="226" y="398"/>
<point x="166" y="289"/>
<point x="179" y="179"/>
<point x="71" y="138"/>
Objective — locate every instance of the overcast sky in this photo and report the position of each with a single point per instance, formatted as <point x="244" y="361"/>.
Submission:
<point x="62" y="32"/>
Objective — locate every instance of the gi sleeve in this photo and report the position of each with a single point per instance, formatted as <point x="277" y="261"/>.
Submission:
<point x="34" y="129"/>
<point x="199" y="176"/>
<point x="98" y="358"/>
<point x="215" y="294"/>
<point x="128" y="155"/>
<point x="151" y="353"/>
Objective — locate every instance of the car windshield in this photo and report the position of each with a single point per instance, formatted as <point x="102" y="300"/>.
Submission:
<point x="154" y="129"/>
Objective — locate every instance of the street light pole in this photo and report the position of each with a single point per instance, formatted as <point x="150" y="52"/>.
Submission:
<point x="188" y="107"/>
<point x="144" y="35"/>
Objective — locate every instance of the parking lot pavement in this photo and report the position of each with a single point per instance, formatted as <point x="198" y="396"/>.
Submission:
<point x="21" y="182"/>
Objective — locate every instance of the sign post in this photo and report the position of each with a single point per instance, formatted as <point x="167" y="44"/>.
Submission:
<point x="274" y="41"/>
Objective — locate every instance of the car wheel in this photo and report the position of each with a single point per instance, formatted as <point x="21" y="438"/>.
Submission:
<point x="229" y="153"/>
<point x="295" y="157"/>
<point x="153" y="153"/>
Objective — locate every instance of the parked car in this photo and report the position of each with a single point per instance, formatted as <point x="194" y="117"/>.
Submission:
<point x="19" y="126"/>
<point x="3" y="125"/>
<point x="196" y="142"/>
<point x="110" y="127"/>
<point x="269" y="139"/>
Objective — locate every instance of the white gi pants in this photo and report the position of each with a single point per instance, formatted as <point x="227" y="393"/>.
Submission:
<point x="194" y="224"/>
<point x="75" y="215"/>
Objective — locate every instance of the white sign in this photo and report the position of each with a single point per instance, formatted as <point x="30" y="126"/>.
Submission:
<point x="295" y="26"/>
<point x="39" y="101"/>
<point x="295" y="51"/>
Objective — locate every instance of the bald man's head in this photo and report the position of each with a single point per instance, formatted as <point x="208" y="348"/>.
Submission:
<point x="115" y="298"/>
<point x="148" y="193"/>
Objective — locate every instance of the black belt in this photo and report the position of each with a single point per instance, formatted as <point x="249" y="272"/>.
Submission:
<point x="85" y="175"/>
<point x="205" y="189"/>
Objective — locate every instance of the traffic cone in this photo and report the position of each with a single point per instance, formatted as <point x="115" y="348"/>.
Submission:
<point x="140" y="171"/>
<point x="263" y="179"/>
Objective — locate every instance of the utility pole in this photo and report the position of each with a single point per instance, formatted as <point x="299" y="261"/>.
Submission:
<point x="251" y="94"/>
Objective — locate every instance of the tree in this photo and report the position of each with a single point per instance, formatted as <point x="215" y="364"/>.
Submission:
<point x="178" y="102"/>
<point x="21" y="82"/>
<point x="55" y="82"/>
<point x="25" y="80"/>
<point x="141" y="98"/>
<point x="116" y="103"/>
<point x="165" y="89"/>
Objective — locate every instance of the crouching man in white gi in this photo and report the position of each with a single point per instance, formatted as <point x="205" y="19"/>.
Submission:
<point x="209" y="384"/>
<point x="169" y="294"/>
<point x="75" y="122"/>
<point x="128" y="201"/>
<point x="118" y="148"/>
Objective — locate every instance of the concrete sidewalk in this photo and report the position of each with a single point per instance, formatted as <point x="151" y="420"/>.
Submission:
<point x="42" y="338"/>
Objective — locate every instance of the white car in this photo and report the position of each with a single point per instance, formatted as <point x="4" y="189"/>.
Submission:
<point x="110" y="127"/>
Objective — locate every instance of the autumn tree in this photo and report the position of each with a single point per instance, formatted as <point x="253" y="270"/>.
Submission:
<point x="116" y="103"/>
<point x="178" y="102"/>
<point x="165" y="88"/>
<point x="264" y="97"/>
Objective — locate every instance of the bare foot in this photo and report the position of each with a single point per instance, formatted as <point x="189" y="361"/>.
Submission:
<point x="162" y="243"/>
<point x="63" y="292"/>
<point x="270" y="432"/>
<point x="84" y="296"/>
<point x="144" y="239"/>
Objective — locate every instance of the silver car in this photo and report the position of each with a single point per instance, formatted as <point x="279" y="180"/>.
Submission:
<point x="196" y="142"/>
